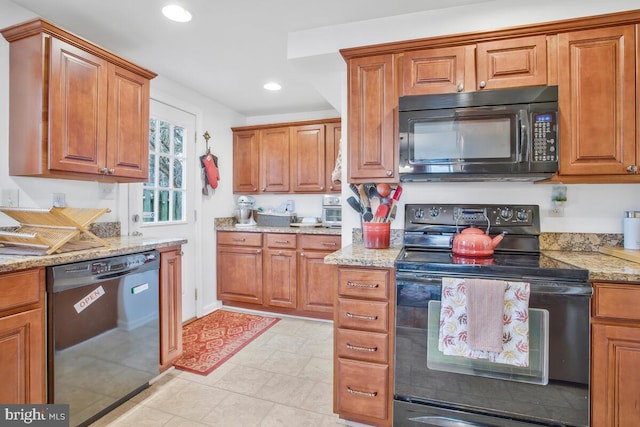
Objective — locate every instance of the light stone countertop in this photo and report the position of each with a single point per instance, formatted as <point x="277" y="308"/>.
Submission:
<point x="601" y="267"/>
<point x="118" y="246"/>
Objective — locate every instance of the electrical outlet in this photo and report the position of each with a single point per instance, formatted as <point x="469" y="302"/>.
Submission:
<point x="10" y="198"/>
<point x="556" y="211"/>
<point x="58" y="200"/>
<point x="107" y="190"/>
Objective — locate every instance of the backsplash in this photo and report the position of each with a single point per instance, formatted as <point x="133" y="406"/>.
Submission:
<point x="578" y="242"/>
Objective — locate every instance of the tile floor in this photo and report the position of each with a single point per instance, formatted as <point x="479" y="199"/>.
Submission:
<point x="282" y="378"/>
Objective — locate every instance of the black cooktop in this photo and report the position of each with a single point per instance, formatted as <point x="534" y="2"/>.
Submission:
<point x="506" y="265"/>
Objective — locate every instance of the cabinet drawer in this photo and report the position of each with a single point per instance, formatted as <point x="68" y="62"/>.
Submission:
<point x="320" y="242"/>
<point x="239" y="239"/>
<point x="367" y="346"/>
<point x="281" y="240"/>
<point x="363" y="315"/>
<point x="362" y="388"/>
<point x="617" y="301"/>
<point x="19" y="289"/>
<point x="363" y="283"/>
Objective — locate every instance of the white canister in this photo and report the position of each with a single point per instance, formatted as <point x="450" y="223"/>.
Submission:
<point x="631" y="229"/>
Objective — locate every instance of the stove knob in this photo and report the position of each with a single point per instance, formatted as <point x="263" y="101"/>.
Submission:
<point x="419" y="214"/>
<point x="433" y="212"/>
<point x="521" y="215"/>
<point x="506" y="213"/>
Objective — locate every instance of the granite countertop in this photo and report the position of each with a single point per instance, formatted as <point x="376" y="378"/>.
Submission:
<point x="118" y="246"/>
<point x="601" y="267"/>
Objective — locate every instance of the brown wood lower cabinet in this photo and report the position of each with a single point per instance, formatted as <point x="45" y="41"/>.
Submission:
<point x="22" y="337"/>
<point x="170" y="305"/>
<point x="277" y="272"/>
<point x="615" y="353"/>
<point x="363" y="337"/>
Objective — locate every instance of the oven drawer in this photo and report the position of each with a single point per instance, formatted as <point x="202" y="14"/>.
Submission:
<point x="617" y="301"/>
<point x="364" y="283"/>
<point x="367" y="346"/>
<point x="362" y="388"/>
<point x="363" y="315"/>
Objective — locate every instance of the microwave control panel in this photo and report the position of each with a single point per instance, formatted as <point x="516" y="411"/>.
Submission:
<point x="545" y="137"/>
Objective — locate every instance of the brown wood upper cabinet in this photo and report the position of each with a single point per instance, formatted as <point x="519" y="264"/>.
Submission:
<point x="488" y="65"/>
<point x="286" y="158"/>
<point x="597" y="101"/>
<point x="77" y="110"/>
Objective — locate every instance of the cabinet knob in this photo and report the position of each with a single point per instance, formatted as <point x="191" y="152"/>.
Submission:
<point x="632" y="169"/>
<point x="321" y="188"/>
<point x="104" y="171"/>
<point x="255" y="189"/>
<point x="460" y="87"/>
<point x="483" y="84"/>
<point x="259" y="251"/>
<point x="112" y="171"/>
<point x="389" y="172"/>
<point x="263" y="189"/>
<point x="301" y="253"/>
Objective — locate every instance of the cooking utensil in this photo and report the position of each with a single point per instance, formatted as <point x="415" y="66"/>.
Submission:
<point x="355" y="204"/>
<point x="372" y="191"/>
<point x="354" y="188"/>
<point x="381" y="213"/>
<point x="367" y="215"/>
<point x="397" y="193"/>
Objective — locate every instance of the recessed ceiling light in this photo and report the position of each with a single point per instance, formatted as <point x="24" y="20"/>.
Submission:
<point x="272" y="86"/>
<point x="176" y="13"/>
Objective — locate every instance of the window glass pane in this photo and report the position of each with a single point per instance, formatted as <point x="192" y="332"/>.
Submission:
<point x="177" y="205"/>
<point x="178" y="140"/>
<point x="148" y="206"/>
<point x="165" y="137"/>
<point x="163" y="206"/>
<point x="164" y="171"/>
<point x="153" y="123"/>
<point x="152" y="169"/>
<point x="177" y="173"/>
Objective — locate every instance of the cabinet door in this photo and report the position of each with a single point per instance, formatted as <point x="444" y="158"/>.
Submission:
<point x="22" y="358"/>
<point x="615" y="379"/>
<point x="246" y="153"/>
<point x="275" y="155"/>
<point x="128" y="118"/>
<point x="170" y="306"/>
<point x="439" y="70"/>
<point x="308" y="158"/>
<point x="333" y="136"/>
<point x="512" y="63"/>
<point x="373" y="102"/>
<point x="317" y="282"/>
<point x="78" y="110"/>
<point x="239" y="274"/>
<point x="280" y="278"/>
<point x="597" y="96"/>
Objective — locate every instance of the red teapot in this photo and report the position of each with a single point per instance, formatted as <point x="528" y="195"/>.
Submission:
<point x="473" y="242"/>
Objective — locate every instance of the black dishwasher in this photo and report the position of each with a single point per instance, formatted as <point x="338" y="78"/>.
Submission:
<point x="103" y="332"/>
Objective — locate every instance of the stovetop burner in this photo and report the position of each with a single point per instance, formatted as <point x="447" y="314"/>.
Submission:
<point x="430" y="228"/>
<point x="516" y="265"/>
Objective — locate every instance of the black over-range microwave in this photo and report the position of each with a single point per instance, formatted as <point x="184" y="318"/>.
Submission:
<point x="496" y="135"/>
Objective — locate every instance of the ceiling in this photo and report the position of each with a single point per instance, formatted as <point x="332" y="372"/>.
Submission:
<point x="230" y="49"/>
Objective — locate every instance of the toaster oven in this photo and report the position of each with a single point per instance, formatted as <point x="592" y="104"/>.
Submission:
<point x="331" y="211"/>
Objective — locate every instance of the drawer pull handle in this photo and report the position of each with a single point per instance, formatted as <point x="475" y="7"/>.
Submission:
<point x="362" y="285"/>
<point x="329" y="243"/>
<point x="235" y="239"/>
<point x="360" y="316"/>
<point x="282" y="241"/>
<point x="362" y="393"/>
<point x="359" y="348"/>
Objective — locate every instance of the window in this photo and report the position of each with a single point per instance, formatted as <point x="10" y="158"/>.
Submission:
<point x="164" y="194"/>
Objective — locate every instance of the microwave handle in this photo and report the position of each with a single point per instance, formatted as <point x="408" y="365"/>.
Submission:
<point x="522" y="147"/>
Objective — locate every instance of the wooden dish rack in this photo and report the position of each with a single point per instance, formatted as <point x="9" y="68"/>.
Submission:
<point x="48" y="231"/>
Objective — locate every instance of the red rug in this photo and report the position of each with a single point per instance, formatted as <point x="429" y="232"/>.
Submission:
<point x="209" y="341"/>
